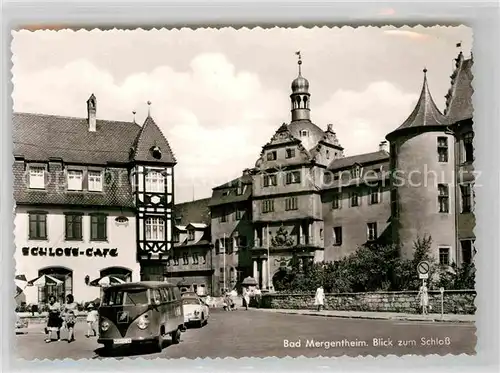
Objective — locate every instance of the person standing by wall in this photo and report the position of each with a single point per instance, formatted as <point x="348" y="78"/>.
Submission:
<point x="423" y="294"/>
<point x="258" y="296"/>
<point x="319" y="298"/>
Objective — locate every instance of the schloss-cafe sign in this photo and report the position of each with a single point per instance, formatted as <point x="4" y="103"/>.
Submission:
<point x="70" y="251"/>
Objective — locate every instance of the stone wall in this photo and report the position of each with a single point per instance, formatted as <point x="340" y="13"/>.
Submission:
<point x="454" y="302"/>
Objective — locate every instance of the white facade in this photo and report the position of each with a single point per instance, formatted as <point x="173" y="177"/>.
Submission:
<point x="80" y="258"/>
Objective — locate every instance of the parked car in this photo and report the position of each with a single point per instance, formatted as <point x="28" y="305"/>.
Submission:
<point x="195" y="310"/>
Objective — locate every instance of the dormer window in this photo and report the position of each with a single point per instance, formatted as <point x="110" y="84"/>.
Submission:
<point x="37" y="177"/>
<point x="356" y="172"/>
<point x="240" y="189"/>
<point x="225" y="193"/>
<point x="156" y="152"/>
<point x="95" y="181"/>
<point x="191" y="235"/>
<point x="271" y="156"/>
<point x="75" y="180"/>
<point x="304" y="133"/>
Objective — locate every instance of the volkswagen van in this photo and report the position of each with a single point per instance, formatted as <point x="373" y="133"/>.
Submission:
<point x="140" y="312"/>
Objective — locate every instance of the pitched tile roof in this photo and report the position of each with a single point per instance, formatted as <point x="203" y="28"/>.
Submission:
<point x="149" y="137"/>
<point x="38" y="137"/>
<point x="459" y="98"/>
<point x="362" y="159"/>
<point x="195" y="211"/>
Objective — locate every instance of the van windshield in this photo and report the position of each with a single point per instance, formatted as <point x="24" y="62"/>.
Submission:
<point x="125" y="298"/>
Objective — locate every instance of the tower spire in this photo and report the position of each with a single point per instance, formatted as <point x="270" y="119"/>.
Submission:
<point x="300" y="94"/>
<point x="149" y="108"/>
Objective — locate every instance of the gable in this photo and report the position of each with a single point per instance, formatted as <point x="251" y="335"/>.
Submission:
<point x="152" y="146"/>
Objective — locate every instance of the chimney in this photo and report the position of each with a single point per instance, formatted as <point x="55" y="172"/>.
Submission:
<point x="383" y="146"/>
<point x="91" y="113"/>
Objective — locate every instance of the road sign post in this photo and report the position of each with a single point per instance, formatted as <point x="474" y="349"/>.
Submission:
<point x="442" y="302"/>
<point x="423" y="273"/>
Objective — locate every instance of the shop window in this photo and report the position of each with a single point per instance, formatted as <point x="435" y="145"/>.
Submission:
<point x="60" y="288"/>
<point x="73" y="226"/>
<point x="155" y="229"/>
<point x="37" y="225"/>
<point x="37" y="177"/>
<point x="155" y="182"/>
<point x="75" y="180"/>
<point x="95" y="181"/>
<point x="98" y="227"/>
<point x="122" y="273"/>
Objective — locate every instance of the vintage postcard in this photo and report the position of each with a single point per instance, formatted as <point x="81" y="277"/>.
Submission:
<point x="283" y="192"/>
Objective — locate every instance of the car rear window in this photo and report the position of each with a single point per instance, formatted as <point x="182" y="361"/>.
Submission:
<point x="125" y="298"/>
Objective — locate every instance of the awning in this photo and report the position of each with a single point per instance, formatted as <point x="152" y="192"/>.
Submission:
<point x="45" y="280"/>
<point x="106" y="281"/>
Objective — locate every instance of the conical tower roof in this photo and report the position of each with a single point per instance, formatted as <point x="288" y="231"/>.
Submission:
<point x="425" y="113"/>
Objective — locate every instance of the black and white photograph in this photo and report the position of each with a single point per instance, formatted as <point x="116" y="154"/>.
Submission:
<point x="222" y="192"/>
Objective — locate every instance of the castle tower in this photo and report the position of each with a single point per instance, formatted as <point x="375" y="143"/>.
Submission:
<point x="422" y="194"/>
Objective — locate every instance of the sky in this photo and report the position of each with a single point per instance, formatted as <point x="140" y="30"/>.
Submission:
<point x="219" y="95"/>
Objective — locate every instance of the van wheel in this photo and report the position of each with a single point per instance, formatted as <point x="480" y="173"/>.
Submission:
<point x="176" y="336"/>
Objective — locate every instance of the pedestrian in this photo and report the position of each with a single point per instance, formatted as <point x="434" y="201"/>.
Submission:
<point x="423" y="294"/>
<point x="319" y="298"/>
<point x="246" y="298"/>
<point x="92" y="318"/>
<point x="70" y="311"/>
<point x="258" y="295"/>
<point x="54" y="321"/>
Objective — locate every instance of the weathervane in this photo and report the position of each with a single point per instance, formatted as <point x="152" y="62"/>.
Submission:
<point x="299" y="62"/>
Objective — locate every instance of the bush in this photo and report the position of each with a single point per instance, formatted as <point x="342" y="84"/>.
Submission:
<point x="374" y="267"/>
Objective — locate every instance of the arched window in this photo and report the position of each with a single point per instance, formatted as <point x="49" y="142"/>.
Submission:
<point x="122" y="273"/>
<point x="306" y="103"/>
<point x="59" y="290"/>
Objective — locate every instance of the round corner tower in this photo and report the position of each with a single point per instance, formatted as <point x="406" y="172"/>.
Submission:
<point x="422" y="181"/>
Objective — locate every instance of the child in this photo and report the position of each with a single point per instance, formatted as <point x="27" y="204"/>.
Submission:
<point x="92" y="318"/>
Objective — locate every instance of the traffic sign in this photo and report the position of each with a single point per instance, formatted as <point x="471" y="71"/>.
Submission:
<point x="423" y="268"/>
<point x="423" y="276"/>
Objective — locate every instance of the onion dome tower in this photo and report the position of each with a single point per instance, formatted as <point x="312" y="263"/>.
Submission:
<point x="422" y="164"/>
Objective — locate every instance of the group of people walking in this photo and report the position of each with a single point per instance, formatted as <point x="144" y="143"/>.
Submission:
<point x="63" y="318"/>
